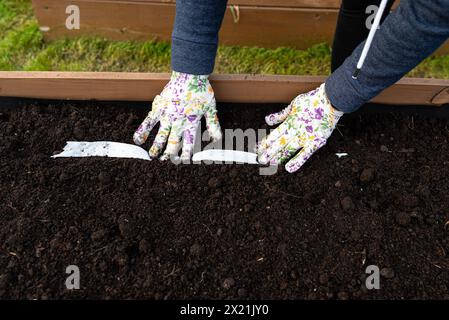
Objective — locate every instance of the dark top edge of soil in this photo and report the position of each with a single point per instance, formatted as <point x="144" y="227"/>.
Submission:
<point x="13" y="102"/>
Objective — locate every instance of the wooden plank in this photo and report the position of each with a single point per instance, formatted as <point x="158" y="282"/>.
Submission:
<point x="113" y="86"/>
<point x="117" y="20"/>
<point x="326" y="4"/>
<point x="131" y="20"/>
<point x="143" y="20"/>
<point x="108" y="86"/>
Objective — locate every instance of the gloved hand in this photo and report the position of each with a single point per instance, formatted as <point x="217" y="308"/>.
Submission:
<point x="179" y="109"/>
<point x="307" y="124"/>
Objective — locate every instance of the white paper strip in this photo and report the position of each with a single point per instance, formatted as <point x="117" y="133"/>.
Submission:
<point x="102" y="149"/>
<point x="79" y="149"/>
<point x="341" y="155"/>
<point x="226" y="156"/>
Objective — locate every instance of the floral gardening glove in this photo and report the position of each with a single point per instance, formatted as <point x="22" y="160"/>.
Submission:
<point x="307" y="123"/>
<point x="179" y="109"/>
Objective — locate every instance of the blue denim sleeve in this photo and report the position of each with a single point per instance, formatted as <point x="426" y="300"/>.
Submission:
<point x="195" y="35"/>
<point x="410" y="34"/>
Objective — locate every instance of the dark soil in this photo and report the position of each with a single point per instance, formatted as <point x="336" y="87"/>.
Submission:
<point x="139" y="229"/>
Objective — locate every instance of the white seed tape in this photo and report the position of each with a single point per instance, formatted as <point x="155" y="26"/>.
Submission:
<point x="341" y="155"/>
<point x="79" y="149"/>
<point x="226" y="156"/>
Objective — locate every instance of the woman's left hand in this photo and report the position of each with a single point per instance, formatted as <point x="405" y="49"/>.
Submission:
<point x="307" y="123"/>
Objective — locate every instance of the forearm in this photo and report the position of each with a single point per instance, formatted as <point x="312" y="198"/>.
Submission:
<point x="410" y="34"/>
<point x="195" y="35"/>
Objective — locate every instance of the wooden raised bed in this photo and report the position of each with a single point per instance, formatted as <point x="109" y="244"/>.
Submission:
<point x="142" y="20"/>
<point x="112" y="86"/>
<point x="265" y="23"/>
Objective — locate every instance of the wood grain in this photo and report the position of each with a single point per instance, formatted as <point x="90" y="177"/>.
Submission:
<point x="133" y="20"/>
<point x="111" y="86"/>
<point x="289" y="23"/>
<point x="328" y="4"/>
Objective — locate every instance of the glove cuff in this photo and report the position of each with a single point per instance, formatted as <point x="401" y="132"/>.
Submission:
<point x="338" y="114"/>
<point x="175" y="75"/>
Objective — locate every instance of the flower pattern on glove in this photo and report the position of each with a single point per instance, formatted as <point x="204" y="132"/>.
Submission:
<point x="307" y="123"/>
<point x="179" y="109"/>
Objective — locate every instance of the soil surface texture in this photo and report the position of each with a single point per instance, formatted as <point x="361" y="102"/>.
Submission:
<point x="156" y="230"/>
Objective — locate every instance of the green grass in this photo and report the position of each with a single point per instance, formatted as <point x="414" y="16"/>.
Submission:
<point x="22" y="48"/>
